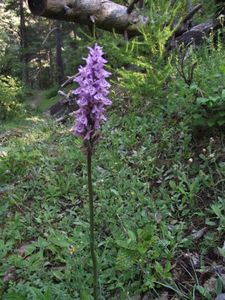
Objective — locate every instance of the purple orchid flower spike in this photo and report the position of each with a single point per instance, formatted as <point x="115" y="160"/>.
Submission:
<point x="92" y="95"/>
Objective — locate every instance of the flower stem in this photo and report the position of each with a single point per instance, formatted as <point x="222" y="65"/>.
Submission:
<point x="91" y="215"/>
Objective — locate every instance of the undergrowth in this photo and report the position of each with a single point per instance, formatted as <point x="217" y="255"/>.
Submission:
<point x="155" y="185"/>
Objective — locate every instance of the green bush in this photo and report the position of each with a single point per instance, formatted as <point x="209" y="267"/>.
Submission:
<point x="142" y="68"/>
<point x="11" y="93"/>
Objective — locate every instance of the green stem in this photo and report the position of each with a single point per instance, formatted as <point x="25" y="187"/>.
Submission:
<point x="92" y="234"/>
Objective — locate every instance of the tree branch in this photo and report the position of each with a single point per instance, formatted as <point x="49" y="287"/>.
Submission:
<point x="49" y="33"/>
<point x="192" y="13"/>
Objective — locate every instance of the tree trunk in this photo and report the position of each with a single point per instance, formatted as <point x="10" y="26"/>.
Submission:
<point x="59" y="59"/>
<point x="105" y="14"/>
<point x="51" y="63"/>
<point x="23" y="45"/>
<point x="190" y="5"/>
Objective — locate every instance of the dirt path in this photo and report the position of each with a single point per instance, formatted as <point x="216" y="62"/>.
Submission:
<point x="36" y="99"/>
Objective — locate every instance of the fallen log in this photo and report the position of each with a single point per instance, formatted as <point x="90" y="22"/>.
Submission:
<point x="104" y="14"/>
<point x="197" y="34"/>
<point x="64" y="106"/>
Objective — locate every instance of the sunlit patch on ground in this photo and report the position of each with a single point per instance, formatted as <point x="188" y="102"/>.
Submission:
<point x="36" y="119"/>
<point x="3" y="153"/>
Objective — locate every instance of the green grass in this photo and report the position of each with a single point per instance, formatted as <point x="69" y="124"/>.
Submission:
<point x="21" y="123"/>
<point x="49" y="97"/>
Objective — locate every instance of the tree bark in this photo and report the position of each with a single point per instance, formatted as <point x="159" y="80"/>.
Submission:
<point x="105" y="14"/>
<point x="59" y="59"/>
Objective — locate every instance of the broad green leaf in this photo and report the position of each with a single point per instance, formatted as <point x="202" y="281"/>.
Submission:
<point x="204" y="292"/>
<point x="223" y="94"/>
<point x="131" y="235"/>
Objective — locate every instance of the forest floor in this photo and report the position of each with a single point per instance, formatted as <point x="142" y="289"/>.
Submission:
<point x="36" y="99"/>
<point x="159" y="209"/>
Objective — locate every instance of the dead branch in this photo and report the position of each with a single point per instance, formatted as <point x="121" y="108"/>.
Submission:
<point x="107" y="14"/>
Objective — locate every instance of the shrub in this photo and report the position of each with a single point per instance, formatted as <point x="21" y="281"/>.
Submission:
<point x="11" y="93"/>
<point x="145" y="66"/>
